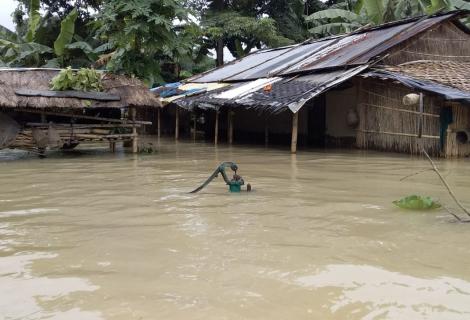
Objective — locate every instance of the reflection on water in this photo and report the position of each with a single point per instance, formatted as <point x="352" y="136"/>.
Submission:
<point x="95" y="235"/>
<point x="392" y="295"/>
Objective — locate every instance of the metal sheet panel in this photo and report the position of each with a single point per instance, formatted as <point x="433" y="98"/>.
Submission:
<point x="280" y="62"/>
<point x="293" y="94"/>
<point x="360" y="48"/>
<point x="235" y="67"/>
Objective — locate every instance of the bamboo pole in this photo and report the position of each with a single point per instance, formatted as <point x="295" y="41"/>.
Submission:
<point x="177" y="123"/>
<point x="134" y="132"/>
<point x="78" y="116"/>
<point x="399" y="134"/>
<point x="402" y="110"/>
<point x="216" y="129"/>
<point x="420" y="116"/>
<point x="295" y="124"/>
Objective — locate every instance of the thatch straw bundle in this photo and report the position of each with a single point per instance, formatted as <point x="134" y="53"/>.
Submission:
<point x="133" y="93"/>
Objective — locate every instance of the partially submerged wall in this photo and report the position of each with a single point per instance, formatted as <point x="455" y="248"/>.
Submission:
<point x="387" y="124"/>
<point x="338" y="104"/>
<point x="461" y="121"/>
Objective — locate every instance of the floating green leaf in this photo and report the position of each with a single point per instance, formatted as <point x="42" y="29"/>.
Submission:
<point x="415" y="202"/>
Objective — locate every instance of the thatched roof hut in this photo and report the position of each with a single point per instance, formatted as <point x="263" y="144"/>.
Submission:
<point x="36" y="118"/>
<point x="130" y="92"/>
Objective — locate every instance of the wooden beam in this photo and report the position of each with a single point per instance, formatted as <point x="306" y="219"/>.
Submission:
<point x="79" y="116"/>
<point x="295" y="124"/>
<point x="135" y="147"/>
<point x="177" y="123"/>
<point x="80" y="125"/>
<point x="99" y="96"/>
<point x="216" y="129"/>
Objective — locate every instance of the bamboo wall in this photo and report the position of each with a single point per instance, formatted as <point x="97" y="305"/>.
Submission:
<point x="461" y="120"/>
<point x="445" y="42"/>
<point x="387" y="124"/>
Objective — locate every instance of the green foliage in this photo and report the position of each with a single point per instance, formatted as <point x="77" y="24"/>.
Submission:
<point x="83" y="80"/>
<point x="242" y="33"/>
<point x="141" y="34"/>
<point x="415" y="202"/>
<point x="19" y="52"/>
<point x="34" y="20"/>
<point x="67" y="30"/>
<point x="376" y="9"/>
<point x="349" y="15"/>
<point x="289" y="16"/>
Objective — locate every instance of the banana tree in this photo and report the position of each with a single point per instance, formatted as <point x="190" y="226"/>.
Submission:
<point x="356" y="13"/>
<point x="16" y="51"/>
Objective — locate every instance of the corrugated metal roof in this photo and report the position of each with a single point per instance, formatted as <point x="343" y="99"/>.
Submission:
<point x="288" y="94"/>
<point x="346" y="50"/>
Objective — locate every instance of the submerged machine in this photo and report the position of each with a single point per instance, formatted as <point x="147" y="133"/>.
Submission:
<point x="234" y="184"/>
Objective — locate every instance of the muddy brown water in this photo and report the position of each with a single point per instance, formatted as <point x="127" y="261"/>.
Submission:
<point x="94" y="235"/>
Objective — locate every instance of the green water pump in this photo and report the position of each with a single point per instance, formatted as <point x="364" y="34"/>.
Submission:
<point x="234" y="184"/>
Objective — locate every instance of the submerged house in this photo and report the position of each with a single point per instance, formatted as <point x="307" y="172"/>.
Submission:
<point x="34" y="118"/>
<point x="345" y="90"/>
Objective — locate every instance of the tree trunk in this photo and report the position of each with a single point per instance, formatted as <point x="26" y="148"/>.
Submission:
<point x="220" y="52"/>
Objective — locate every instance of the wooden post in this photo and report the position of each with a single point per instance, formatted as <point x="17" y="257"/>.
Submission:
<point x="134" y="131"/>
<point x="158" y="123"/>
<point x="420" y="117"/>
<point x="216" y="129"/>
<point x="266" y="132"/>
<point x="194" y="126"/>
<point x="112" y="146"/>
<point x="43" y="118"/>
<point x="177" y="123"/>
<point x="230" y="127"/>
<point x="295" y="124"/>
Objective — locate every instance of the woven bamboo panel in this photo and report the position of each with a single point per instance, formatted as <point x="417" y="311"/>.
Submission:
<point x="387" y="124"/>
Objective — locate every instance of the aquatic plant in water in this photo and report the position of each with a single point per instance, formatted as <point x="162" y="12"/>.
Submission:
<point x="415" y="202"/>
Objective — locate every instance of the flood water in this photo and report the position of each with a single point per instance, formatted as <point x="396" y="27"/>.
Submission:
<point x="94" y="235"/>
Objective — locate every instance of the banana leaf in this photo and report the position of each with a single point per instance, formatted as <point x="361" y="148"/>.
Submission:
<point x="375" y="10"/>
<point x="67" y="29"/>
<point x="333" y="14"/>
<point x="34" y="20"/>
<point x="415" y="202"/>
